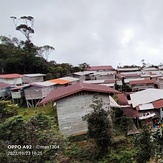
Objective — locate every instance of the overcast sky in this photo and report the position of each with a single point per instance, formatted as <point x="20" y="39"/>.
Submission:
<point x="98" y="32"/>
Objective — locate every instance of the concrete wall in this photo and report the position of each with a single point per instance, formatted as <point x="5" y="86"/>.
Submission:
<point x="70" y="111"/>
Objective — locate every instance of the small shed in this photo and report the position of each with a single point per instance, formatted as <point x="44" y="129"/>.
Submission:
<point x="17" y="93"/>
<point x="12" y="79"/>
<point x="37" y="91"/>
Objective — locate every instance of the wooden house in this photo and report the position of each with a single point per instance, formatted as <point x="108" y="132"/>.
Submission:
<point x="149" y="103"/>
<point x="37" y="91"/>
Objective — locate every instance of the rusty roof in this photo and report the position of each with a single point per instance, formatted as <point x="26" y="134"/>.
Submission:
<point x="98" y="68"/>
<point x="10" y="76"/>
<point x="59" y="81"/>
<point x="146" y="81"/>
<point x="75" y="88"/>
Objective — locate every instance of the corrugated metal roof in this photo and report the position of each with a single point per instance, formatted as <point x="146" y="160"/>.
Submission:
<point x="104" y="72"/>
<point x="109" y="85"/>
<point x="122" y="99"/>
<point x="98" y="68"/>
<point x="81" y="73"/>
<point x="146" y="81"/>
<point x="10" y="76"/>
<point x="108" y="81"/>
<point x="149" y="69"/>
<point x="4" y="85"/>
<point x="129" y="75"/>
<point x="69" y="78"/>
<point x="43" y="84"/>
<point x="94" y="81"/>
<point x="59" y="81"/>
<point x="130" y="112"/>
<point x="33" y="75"/>
<point x="148" y="106"/>
<point x="158" y="104"/>
<point x="75" y="88"/>
<point x="133" y="79"/>
<point x="146" y="96"/>
<point x="128" y="69"/>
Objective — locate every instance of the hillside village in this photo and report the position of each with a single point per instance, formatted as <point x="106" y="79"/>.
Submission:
<point x="138" y="92"/>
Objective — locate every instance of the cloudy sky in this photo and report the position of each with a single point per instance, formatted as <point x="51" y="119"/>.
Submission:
<point x="98" y="32"/>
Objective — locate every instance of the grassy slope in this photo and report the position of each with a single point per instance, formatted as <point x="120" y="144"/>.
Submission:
<point x="82" y="149"/>
<point x="29" y="112"/>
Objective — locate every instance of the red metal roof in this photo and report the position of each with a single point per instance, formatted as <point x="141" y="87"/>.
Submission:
<point x="75" y="88"/>
<point x="158" y="104"/>
<point x="130" y="112"/>
<point x="108" y="81"/>
<point x="10" y="76"/>
<point x="4" y="85"/>
<point x="128" y="75"/>
<point x="146" y="81"/>
<point x="98" y="68"/>
<point x="122" y="99"/>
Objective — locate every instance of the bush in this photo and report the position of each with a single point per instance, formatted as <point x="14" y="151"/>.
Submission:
<point x="8" y="110"/>
<point x="122" y="157"/>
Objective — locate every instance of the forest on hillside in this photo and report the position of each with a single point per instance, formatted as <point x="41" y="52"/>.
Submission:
<point x="23" y="57"/>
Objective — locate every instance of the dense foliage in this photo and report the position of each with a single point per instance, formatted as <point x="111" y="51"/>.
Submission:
<point x="15" y="59"/>
<point x="99" y="125"/>
<point x="22" y="56"/>
<point x="144" y="145"/>
<point x="28" y="135"/>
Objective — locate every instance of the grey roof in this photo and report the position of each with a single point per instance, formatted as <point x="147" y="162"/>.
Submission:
<point x="132" y="79"/>
<point x="81" y="73"/>
<point x="104" y="72"/>
<point x="128" y="69"/>
<point x="72" y="79"/>
<point x="148" y="106"/>
<point x="109" y="85"/>
<point x="43" y="84"/>
<point x="33" y="75"/>
<point x="94" y="81"/>
<point x="146" y="96"/>
<point x="149" y="69"/>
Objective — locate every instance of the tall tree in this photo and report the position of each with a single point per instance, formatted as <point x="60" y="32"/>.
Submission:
<point x="99" y="125"/>
<point x="25" y="25"/>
